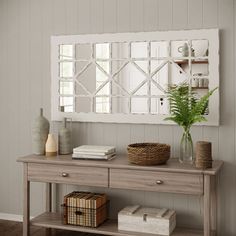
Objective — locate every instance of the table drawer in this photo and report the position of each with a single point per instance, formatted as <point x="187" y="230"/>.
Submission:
<point x="157" y="181"/>
<point x="90" y="176"/>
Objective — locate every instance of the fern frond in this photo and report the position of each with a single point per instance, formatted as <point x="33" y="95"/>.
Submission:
<point x="185" y="108"/>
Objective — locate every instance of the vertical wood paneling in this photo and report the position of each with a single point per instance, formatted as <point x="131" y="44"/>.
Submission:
<point x="26" y="27"/>
<point x="83" y="14"/>
<point x="96" y="16"/>
<point x="136" y="15"/>
<point x="110" y="15"/>
<point x="71" y="16"/>
<point x="4" y="114"/>
<point x="210" y="13"/>
<point x="226" y="131"/>
<point x="195" y="14"/>
<point x="165" y="13"/>
<point x="12" y="88"/>
<point x="180" y="14"/>
<point x="36" y="84"/>
<point x="123" y="15"/>
<point x="150" y="15"/>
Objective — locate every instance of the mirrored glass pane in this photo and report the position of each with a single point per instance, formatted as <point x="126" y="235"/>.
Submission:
<point x="66" y="52"/>
<point x="66" y="88"/>
<point x="102" y="51"/>
<point x="120" y="50"/>
<point x="104" y="90"/>
<point x="159" y="49"/>
<point x="120" y="105"/>
<point x="200" y="47"/>
<point x="83" y="51"/>
<point x="143" y="65"/>
<point x="130" y="78"/>
<point x="80" y="66"/>
<point x="102" y="105"/>
<point x="80" y="89"/>
<point x="66" y="69"/>
<point x="159" y="106"/>
<point x="117" y="66"/>
<point x="103" y="66"/>
<point x="66" y="104"/>
<point x="83" y="104"/>
<point x="139" y="105"/>
<point x="199" y="83"/>
<point x="139" y="49"/>
<point x="200" y="67"/>
<point x="178" y="74"/>
<point x="180" y="49"/>
<point x="143" y="90"/>
<point x="88" y="78"/>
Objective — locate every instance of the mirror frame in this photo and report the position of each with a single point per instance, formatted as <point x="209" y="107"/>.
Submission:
<point x="212" y="35"/>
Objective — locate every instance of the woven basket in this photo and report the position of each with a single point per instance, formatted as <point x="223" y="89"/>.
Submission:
<point x="148" y="153"/>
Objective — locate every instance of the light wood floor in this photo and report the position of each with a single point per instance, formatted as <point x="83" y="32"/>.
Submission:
<point x="11" y="228"/>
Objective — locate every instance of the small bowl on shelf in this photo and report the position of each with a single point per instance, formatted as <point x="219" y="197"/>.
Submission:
<point x="147" y="154"/>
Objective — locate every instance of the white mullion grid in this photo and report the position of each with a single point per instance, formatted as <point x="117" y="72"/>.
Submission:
<point x="190" y="66"/>
<point x="169" y="69"/>
<point x="129" y="58"/>
<point x="149" y="78"/>
<point x="110" y="77"/>
<point x="92" y="98"/>
<point x="73" y="78"/>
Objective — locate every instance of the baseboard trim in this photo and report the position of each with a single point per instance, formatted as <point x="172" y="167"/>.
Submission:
<point x="12" y="217"/>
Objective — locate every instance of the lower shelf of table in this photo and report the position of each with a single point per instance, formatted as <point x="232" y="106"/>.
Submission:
<point x="53" y="220"/>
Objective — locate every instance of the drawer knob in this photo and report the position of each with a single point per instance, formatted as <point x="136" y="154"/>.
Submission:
<point x="64" y="174"/>
<point x="159" y="182"/>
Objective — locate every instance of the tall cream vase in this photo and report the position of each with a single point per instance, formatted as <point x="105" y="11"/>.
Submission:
<point x="51" y="146"/>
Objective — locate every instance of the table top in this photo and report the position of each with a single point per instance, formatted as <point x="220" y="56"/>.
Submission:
<point x="121" y="162"/>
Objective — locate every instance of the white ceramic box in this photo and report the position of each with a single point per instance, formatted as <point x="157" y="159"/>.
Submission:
<point x="147" y="220"/>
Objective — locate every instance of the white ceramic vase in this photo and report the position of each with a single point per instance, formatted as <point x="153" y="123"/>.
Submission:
<point x="51" y="146"/>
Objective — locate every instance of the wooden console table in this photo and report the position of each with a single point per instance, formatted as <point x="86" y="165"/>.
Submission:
<point x="118" y="173"/>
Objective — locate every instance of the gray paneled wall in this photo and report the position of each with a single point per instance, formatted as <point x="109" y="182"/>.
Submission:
<point x="25" y="29"/>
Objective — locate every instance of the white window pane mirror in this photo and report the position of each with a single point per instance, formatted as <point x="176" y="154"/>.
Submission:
<point x="124" y="77"/>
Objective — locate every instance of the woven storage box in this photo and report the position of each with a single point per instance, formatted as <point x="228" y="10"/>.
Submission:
<point x="147" y="220"/>
<point x="85" y="209"/>
<point x="148" y="153"/>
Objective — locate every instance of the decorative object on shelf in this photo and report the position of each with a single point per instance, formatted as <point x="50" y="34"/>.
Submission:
<point x="85" y="208"/>
<point x="186" y="109"/>
<point x="94" y="152"/>
<point x="203" y="155"/>
<point x="184" y="50"/>
<point x="195" y="82"/>
<point x="147" y="220"/>
<point x="64" y="139"/>
<point x="148" y="153"/>
<point x="51" y="146"/>
<point x="40" y="132"/>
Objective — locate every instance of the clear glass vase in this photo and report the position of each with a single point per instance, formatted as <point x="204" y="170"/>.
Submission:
<point x="186" y="148"/>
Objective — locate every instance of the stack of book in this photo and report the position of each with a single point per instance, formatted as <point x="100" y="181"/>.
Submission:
<point x="94" y="152"/>
<point x="85" y="209"/>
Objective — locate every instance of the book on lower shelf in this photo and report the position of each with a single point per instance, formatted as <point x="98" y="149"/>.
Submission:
<point x="85" y="209"/>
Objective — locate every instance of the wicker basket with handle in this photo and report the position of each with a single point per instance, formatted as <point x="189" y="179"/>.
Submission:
<point x="148" y="153"/>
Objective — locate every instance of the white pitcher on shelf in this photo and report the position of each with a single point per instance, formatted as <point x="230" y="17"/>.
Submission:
<point x="184" y="50"/>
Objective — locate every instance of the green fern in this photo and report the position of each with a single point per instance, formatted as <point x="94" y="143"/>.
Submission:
<point x="185" y="108"/>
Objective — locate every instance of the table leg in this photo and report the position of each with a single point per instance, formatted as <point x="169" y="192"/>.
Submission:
<point x="48" y="204"/>
<point x="207" y="205"/>
<point x="26" y="202"/>
<point x="213" y="205"/>
<point x="48" y="197"/>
